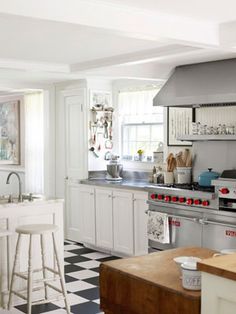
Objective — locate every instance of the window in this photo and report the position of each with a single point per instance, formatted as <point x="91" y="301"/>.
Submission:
<point x="141" y="124"/>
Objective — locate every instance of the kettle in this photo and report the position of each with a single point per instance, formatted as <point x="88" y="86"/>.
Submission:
<point x="204" y="179"/>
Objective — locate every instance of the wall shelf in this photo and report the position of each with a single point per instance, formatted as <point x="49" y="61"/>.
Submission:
<point x="194" y="138"/>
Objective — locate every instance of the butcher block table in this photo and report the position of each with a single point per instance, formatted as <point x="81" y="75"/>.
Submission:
<point x="148" y="284"/>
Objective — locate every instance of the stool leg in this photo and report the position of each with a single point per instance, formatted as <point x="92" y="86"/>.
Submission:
<point x="62" y="281"/>
<point x="14" y="270"/>
<point x="44" y="264"/>
<point x="30" y="279"/>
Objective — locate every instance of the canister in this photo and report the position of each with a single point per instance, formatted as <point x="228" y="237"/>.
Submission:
<point x="191" y="277"/>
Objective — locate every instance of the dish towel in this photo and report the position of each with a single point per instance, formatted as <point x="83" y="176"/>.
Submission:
<point x="158" y="227"/>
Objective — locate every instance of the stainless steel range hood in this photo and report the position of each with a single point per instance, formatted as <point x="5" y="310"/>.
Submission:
<point x="202" y="84"/>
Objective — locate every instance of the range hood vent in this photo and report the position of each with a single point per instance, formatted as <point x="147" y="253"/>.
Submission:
<point x="198" y="85"/>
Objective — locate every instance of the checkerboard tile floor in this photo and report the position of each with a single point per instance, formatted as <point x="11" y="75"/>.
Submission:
<point x="82" y="282"/>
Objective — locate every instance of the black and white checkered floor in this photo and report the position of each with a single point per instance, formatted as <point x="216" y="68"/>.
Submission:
<point x="82" y="282"/>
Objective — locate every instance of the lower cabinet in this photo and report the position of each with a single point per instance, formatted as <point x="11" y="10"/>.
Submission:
<point x="107" y="218"/>
<point x="123" y="222"/>
<point x="104" y="219"/>
<point x="218" y="295"/>
<point x="140" y="223"/>
<point x="80" y="213"/>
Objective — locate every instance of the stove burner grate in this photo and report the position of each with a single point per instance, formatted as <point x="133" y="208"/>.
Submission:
<point x="192" y="187"/>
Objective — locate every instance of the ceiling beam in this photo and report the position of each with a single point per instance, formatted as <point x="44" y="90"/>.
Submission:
<point x="118" y="19"/>
<point x="139" y="57"/>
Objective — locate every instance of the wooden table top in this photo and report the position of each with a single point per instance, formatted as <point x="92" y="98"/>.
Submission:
<point x="223" y="266"/>
<point x="160" y="268"/>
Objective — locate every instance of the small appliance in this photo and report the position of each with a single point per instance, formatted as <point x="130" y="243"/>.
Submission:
<point x="114" y="169"/>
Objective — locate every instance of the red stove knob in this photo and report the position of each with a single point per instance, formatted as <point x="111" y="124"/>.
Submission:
<point x="224" y="191"/>
<point x="153" y="196"/>
<point x="167" y="198"/>
<point x="205" y="203"/>
<point x="182" y="199"/>
<point x="197" y="202"/>
<point x="160" y="196"/>
<point x="189" y="201"/>
<point x="174" y="199"/>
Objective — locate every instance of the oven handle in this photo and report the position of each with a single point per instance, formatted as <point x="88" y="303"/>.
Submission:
<point x="212" y="222"/>
<point x="194" y="219"/>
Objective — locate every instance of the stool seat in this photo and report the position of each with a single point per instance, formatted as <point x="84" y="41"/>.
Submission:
<point x="37" y="229"/>
<point x="4" y="233"/>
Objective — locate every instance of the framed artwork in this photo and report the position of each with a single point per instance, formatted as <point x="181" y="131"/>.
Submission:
<point x="10" y="132"/>
<point x="100" y="98"/>
<point x="179" y="121"/>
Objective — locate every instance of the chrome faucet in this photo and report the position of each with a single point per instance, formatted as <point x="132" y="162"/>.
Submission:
<point x="20" y="198"/>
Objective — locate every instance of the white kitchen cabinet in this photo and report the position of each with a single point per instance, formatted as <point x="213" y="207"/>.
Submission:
<point x="140" y="223"/>
<point x="218" y="295"/>
<point x="123" y="222"/>
<point x="80" y="213"/>
<point x="73" y="222"/>
<point x="104" y="222"/>
<point x="87" y="214"/>
<point x="108" y="219"/>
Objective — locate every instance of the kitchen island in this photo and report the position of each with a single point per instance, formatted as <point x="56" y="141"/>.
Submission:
<point x="148" y="284"/>
<point x="14" y="214"/>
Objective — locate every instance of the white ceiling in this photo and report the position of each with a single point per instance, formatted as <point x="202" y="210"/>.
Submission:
<point x="50" y="41"/>
<point x="210" y="10"/>
<point x="46" y="41"/>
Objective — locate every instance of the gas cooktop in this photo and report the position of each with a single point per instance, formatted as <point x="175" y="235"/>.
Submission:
<point x="192" y="187"/>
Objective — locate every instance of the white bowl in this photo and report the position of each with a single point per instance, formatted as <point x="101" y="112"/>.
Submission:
<point x="227" y="251"/>
<point x="186" y="259"/>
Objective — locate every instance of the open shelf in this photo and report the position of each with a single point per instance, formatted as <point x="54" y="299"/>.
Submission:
<point x="218" y="137"/>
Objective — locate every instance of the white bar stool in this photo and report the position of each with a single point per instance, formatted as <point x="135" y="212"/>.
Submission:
<point x="6" y="233"/>
<point x="31" y="230"/>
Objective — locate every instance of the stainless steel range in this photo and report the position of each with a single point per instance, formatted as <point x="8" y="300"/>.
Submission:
<point x="197" y="216"/>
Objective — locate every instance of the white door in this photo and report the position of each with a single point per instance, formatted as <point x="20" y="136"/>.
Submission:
<point x="86" y="217"/>
<point x="75" y="135"/>
<point x="140" y="223"/>
<point x="123" y="223"/>
<point x="75" y="159"/>
<point x="104" y="228"/>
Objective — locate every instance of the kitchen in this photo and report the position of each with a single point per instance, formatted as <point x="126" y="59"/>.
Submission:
<point x="155" y="90"/>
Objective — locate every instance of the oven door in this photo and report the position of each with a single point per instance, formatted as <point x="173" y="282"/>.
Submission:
<point x="185" y="229"/>
<point x="219" y="232"/>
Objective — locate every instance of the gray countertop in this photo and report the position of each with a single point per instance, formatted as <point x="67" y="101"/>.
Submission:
<point x="124" y="184"/>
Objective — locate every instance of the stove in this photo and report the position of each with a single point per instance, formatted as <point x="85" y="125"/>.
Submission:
<point x="198" y="216"/>
<point x="188" y="195"/>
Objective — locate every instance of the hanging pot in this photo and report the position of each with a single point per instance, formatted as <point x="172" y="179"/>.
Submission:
<point x="204" y="179"/>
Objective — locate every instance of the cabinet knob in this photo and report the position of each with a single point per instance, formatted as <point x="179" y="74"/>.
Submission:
<point x="134" y="199"/>
<point x="109" y="196"/>
<point x="66" y="178"/>
<point x="91" y="194"/>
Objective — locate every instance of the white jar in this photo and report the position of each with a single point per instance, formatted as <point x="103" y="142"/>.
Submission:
<point x="191" y="277"/>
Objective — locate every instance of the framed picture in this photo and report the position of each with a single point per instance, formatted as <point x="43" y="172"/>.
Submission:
<point x="100" y="98"/>
<point x="10" y="132"/>
<point x="179" y="121"/>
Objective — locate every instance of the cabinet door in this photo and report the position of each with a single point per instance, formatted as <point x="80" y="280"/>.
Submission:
<point x="87" y="214"/>
<point x="104" y="230"/>
<point x="80" y="213"/>
<point x="73" y="212"/>
<point x="123" y="223"/>
<point x="140" y="223"/>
